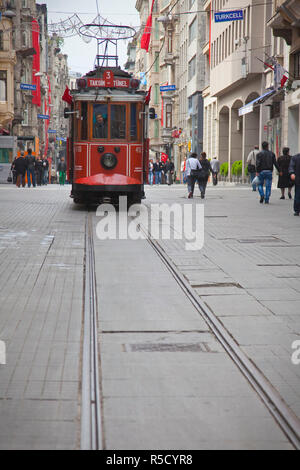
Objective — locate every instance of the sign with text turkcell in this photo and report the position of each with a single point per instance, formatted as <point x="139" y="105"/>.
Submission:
<point x="167" y="88"/>
<point x="229" y="16"/>
<point x="51" y="131"/>
<point x="27" y="86"/>
<point x="43" y="116"/>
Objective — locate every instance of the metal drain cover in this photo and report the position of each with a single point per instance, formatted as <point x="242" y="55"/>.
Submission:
<point x="170" y="347"/>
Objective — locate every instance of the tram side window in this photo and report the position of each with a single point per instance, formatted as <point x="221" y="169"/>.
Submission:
<point x="100" y="115"/>
<point x="133" y="121"/>
<point x="84" y="121"/>
<point x="118" y="121"/>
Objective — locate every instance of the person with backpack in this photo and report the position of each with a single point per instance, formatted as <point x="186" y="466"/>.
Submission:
<point x="204" y="174"/>
<point x="251" y="165"/>
<point x="265" y="162"/>
<point x="30" y="161"/>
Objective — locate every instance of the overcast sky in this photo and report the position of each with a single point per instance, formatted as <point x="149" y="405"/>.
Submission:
<point x="81" y="56"/>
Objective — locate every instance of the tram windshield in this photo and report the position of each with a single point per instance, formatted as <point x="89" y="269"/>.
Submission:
<point x="118" y="121"/>
<point x="100" y="115"/>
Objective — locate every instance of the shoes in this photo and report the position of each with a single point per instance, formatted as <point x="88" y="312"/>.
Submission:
<point x="290" y="196"/>
<point x="261" y="199"/>
<point x="190" y="196"/>
<point x="297" y="214"/>
<point x="202" y="195"/>
<point x="282" y="197"/>
<point x="266" y="202"/>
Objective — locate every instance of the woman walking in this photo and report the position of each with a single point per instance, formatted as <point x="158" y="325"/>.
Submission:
<point x="284" y="180"/>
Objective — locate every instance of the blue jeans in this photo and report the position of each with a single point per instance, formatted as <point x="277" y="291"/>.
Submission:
<point x="297" y="199"/>
<point x="157" y="177"/>
<point x="265" y="176"/>
<point x="252" y="176"/>
<point x="32" y="173"/>
<point x="191" y="180"/>
<point x="151" y="177"/>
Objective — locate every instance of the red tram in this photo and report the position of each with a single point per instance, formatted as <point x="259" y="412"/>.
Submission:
<point x="108" y="148"/>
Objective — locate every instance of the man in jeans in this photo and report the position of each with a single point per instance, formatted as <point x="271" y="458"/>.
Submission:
<point x="265" y="161"/>
<point x="294" y="171"/>
<point x="30" y="161"/>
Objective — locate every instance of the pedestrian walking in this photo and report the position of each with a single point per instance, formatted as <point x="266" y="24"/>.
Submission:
<point x="62" y="168"/>
<point x="251" y="165"/>
<point x="265" y="162"/>
<point x="294" y="171"/>
<point x="30" y="159"/>
<point x="169" y="171"/>
<point x="284" y="180"/>
<point x="39" y="170"/>
<point x="204" y="174"/>
<point x="157" y="171"/>
<point x="215" y="169"/>
<point x="183" y="170"/>
<point x="150" y="172"/>
<point x="45" y="177"/>
<point x="13" y="171"/>
<point x="20" y="168"/>
<point x="192" y="173"/>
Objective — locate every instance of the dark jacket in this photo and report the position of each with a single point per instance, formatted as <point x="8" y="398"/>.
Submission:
<point x="206" y="168"/>
<point x="157" y="166"/>
<point x="294" y="168"/>
<point x="30" y="159"/>
<point x="20" y="165"/>
<point x="169" y="166"/>
<point x="62" y="166"/>
<point x="39" y="165"/>
<point x="266" y="160"/>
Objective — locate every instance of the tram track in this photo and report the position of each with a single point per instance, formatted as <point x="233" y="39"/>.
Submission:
<point x="284" y="416"/>
<point x="92" y="436"/>
<point x="92" y="428"/>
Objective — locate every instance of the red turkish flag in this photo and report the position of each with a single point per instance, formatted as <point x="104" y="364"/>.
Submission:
<point x="145" y="41"/>
<point x="164" y="157"/>
<point x="67" y="96"/>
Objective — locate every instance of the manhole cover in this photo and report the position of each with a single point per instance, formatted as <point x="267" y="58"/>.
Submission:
<point x="170" y="347"/>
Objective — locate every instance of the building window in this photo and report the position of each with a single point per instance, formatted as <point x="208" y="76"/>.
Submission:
<point x="192" y="30"/>
<point x="25" y="116"/>
<point x="168" y="116"/>
<point x="1" y="41"/>
<point x="156" y="63"/>
<point x="170" y="42"/>
<point x="297" y="65"/>
<point x="191" y="3"/>
<point x="156" y="30"/>
<point x="192" y="68"/>
<point x="156" y="93"/>
<point x="3" y="85"/>
<point x="156" y="129"/>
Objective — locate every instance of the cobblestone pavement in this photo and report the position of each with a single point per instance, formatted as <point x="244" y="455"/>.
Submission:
<point x="41" y="259"/>
<point x="158" y="391"/>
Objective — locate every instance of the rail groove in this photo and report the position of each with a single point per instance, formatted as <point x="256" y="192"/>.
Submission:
<point x="91" y="415"/>
<point x="287" y="420"/>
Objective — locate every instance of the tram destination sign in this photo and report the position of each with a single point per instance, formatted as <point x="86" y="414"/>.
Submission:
<point x="234" y="15"/>
<point x="102" y="83"/>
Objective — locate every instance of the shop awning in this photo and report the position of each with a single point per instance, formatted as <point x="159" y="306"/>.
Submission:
<point x="248" y="108"/>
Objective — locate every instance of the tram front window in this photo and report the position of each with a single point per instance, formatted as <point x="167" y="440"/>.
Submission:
<point x="100" y="121"/>
<point x="118" y="121"/>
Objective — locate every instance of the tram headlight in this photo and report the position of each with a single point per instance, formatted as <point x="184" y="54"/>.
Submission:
<point x="109" y="161"/>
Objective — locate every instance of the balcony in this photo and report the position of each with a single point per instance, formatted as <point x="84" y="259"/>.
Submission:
<point x="286" y="18"/>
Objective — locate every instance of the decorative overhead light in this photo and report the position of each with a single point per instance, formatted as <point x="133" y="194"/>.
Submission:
<point x="9" y="14"/>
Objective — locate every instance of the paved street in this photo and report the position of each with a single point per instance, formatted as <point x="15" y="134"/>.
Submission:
<point x="159" y="391"/>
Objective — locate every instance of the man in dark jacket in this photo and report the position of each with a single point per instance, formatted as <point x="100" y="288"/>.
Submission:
<point x="169" y="171"/>
<point x="265" y="162"/>
<point x="20" y="165"/>
<point x="30" y="160"/>
<point x="294" y="171"/>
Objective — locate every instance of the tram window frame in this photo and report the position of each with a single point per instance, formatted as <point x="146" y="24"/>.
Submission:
<point x="107" y="118"/>
<point x="133" y="137"/>
<point x="84" y="134"/>
<point x="113" y="122"/>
